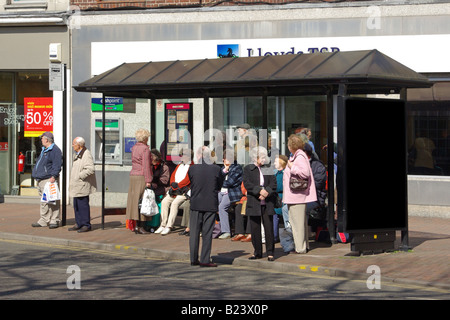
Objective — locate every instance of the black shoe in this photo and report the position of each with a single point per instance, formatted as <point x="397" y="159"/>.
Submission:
<point x="195" y="263"/>
<point x="254" y="257"/>
<point x="141" y="230"/>
<point x="208" y="265"/>
<point x="84" y="229"/>
<point x="36" y="225"/>
<point x="53" y="226"/>
<point x="184" y="233"/>
<point x="270" y="258"/>
<point x="74" y="228"/>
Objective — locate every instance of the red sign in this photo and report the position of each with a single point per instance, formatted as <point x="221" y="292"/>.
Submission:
<point x="38" y="116"/>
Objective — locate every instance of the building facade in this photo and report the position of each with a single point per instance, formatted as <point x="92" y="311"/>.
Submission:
<point x="27" y="28"/>
<point x="417" y="35"/>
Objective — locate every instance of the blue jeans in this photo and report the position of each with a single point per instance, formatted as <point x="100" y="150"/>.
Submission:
<point x="285" y="213"/>
<point x="224" y="204"/>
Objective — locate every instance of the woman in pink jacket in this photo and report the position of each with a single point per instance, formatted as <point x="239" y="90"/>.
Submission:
<point x="141" y="176"/>
<point x="298" y="165"/>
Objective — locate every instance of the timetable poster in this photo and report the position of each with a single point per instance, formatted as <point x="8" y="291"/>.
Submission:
<point x="178" y="119"/>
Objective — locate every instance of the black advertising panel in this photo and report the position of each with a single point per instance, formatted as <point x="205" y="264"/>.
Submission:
<point x="372" y="165"/>
<point x="178" y="130"/>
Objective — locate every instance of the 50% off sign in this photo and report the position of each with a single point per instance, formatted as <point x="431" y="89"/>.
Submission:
<point x="38" y="116"/>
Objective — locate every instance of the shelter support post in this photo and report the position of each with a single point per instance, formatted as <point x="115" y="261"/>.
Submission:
<point x="264" y="106"/>
<point x="341" y="147"/>
<point x="64" y="147"/>
<point x="103" y="158"/>
<point x="404" y="246"/>
<point x="205" y="114"/>
<point x="330" y="165"/>
<point x="153" y="123"/>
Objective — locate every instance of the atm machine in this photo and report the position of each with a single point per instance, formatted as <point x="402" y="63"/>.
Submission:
<point x="113" y="141"/>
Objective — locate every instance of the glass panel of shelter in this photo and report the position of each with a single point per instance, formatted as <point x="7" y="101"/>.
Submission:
<point x="285" y="116"/>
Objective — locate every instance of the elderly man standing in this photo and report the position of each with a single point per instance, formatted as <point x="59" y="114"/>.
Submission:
<point x="206" y="182"/>
<point x="82" y="184"/>
<point x="47" y="169"/>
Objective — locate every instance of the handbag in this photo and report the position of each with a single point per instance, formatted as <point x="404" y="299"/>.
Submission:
<point x="148" y="206"/>
<point x="278" y="202"/>
<point x="177" y="191"/>
<point x="298" y="184"/>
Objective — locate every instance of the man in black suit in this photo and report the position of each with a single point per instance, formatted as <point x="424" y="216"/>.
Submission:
<point x="206" y="182"/>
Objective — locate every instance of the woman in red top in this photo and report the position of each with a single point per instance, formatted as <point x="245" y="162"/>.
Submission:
<point x="177" y="194"/>
<point x="140" y="177"/>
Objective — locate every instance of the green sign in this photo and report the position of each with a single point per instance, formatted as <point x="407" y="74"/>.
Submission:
<point x="111" y="104"/>
<point x="109" y="123"/>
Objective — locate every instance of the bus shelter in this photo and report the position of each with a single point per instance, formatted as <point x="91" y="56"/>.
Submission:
<point x="342" y="74"/>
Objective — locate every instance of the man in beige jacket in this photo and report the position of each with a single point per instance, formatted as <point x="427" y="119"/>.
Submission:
<point x="82" y="184"/>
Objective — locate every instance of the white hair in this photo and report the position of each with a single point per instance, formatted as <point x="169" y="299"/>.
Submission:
<point x="81" y="142"/>
<point x="258" y="152"/>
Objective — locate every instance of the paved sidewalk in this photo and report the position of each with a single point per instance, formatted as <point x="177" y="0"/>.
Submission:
<point x="426" y="264"/>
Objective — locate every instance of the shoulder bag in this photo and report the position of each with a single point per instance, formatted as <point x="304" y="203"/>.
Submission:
<point x="298" y="184"/>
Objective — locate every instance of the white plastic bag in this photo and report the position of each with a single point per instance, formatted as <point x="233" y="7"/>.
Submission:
<point x="51" y="192"/>
<point x="149" y="207"/>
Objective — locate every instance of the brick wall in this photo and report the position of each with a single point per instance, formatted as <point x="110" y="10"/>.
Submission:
<point x="112" y="4"/>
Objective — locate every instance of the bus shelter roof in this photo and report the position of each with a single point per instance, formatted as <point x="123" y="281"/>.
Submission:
<point x="293" y="74"/>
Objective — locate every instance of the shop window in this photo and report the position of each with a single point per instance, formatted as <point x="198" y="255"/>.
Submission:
<point x="29" y="84"/>
<point x="6" y="113"/>
<point x="14" y="87"/>
<point x="428" y="129"/>
<point x="6" y="86"/>
<point x="26" y="4"/>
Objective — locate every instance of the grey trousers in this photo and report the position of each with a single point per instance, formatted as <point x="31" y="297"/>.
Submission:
<point x="201" y="221"/>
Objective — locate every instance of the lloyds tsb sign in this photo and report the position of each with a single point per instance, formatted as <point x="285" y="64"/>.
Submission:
<point x="260" y="52"/>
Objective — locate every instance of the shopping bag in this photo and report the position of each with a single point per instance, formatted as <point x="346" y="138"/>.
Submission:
<point x="149" y="207"/>
<point x="44" y="197"/>
<point x="51" y="192"/>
